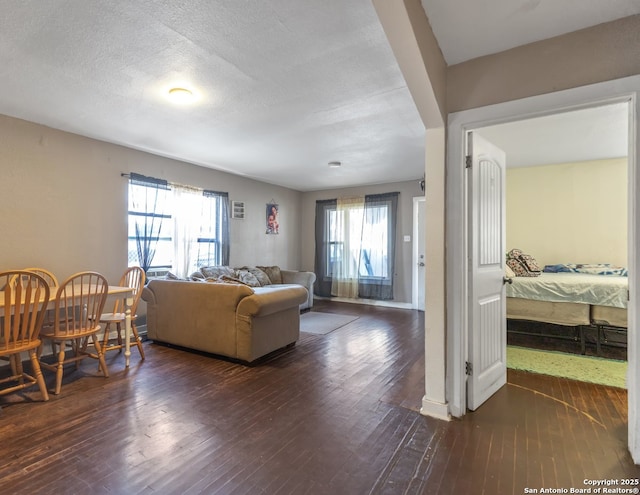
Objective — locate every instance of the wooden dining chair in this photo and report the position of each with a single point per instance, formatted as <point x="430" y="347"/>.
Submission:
<point x="24" y="298"/>
<point x="133" y="277"/>
<point x="49" y="277"/>
<point x="78" y="302"/>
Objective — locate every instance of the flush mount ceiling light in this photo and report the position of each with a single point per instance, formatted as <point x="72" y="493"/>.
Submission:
<point x="335" y="164"/>
<point x="181" y="95"/>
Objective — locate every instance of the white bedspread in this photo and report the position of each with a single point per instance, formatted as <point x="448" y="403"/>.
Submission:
<point x="601" y="290"/>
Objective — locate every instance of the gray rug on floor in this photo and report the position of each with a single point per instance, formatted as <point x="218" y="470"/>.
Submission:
<point x="323" y="323"/>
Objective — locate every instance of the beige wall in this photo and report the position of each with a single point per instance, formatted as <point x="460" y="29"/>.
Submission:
<point x="64" y="203"/>
<point x="601" y="53"/>
<point x="569" y="213"/>
<point x="64" y="206"/>
<point x="404" y="264"/>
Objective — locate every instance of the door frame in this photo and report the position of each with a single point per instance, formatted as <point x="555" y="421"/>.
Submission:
<point x="459" y="123"/>
<point x="415" y="272"/>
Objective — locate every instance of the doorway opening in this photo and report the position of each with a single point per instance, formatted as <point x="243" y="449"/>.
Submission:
<point x="566" y="205"/>
<point x="610" y="92"/>
<point x="460" y="123"/>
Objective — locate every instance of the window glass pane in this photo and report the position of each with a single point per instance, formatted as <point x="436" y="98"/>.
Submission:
<point x="335" y="251"/>
<point x="162" y="259"/>
<point x="375" y="243"/>
<point x="140" y="197"/>
<point x="366" y="233"/>
<point x="190" y="228"/>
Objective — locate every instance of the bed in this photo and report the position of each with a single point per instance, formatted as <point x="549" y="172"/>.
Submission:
<point x="573" y="300"/>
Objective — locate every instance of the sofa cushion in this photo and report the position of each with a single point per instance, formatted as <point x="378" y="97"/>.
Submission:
<point x="217" y="271"/>
<point x="225" y="280"/>
<point x="247" y="278"/>
<point x="263" y="278"/>
<point x="273" y="272"/>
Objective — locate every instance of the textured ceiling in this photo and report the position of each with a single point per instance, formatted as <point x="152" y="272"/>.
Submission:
<point x="467" y="29"/>
<point x="283" y="86"/>
<point x="582" y="135"/>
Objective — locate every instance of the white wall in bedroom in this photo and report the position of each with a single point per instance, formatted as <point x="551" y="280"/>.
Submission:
<point x="569" y="213"/>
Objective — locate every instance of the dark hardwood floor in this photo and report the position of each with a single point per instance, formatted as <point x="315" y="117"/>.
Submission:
<point x="336" y="414"/>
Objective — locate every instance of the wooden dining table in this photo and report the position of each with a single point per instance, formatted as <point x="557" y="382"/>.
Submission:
<point x="113" y="291"/>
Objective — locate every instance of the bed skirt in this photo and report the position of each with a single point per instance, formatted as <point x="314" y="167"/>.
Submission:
<point x="568" y="314"/>
<point x="609" y="323"/>
<point x="606" y="315"/>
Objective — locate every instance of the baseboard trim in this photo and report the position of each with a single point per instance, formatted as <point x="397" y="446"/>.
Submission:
<point x="435" y="409"/>
<point x="370" y="302"/>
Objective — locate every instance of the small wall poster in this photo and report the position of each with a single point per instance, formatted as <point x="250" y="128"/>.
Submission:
<point x="237" y="210"/>
<point x="273" y="223"/>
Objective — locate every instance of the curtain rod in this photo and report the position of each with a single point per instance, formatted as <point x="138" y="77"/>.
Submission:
<point x="176" y="184"/>
<point x="184" y="186"/>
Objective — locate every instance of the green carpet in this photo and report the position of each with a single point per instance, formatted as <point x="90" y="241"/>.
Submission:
<point x="576" y="367"/>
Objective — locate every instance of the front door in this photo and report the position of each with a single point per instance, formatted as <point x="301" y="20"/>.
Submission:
<point x="419" y="241"/>
<point x="487" y="350"/>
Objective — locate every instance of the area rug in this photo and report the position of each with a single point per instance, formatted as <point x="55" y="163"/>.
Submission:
<point x="583" y="368"/>
<point x="323" y="323"/>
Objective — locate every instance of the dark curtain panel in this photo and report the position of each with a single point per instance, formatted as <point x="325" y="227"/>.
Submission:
<point x="379" y="209"/>
<point x="322" y="286"/>
<point x="222" y="225"/>
<point x="149" y="198"/>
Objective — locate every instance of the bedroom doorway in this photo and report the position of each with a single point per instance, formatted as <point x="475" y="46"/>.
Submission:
<point x="566" y="203"/>
<point x="609" y="92"/>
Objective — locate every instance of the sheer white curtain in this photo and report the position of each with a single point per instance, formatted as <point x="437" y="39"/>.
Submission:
<point x="347" y="237"/>
<point x="187" y="204"/>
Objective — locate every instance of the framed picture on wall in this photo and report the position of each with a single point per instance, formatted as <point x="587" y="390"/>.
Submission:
<point x="237" y="210"/>
<point x="273" y="223"/>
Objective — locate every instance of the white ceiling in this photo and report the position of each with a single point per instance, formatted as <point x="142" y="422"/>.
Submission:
<point x="283" y="86"/>
<point x="468" y="29"/>
<point x="582" y="135"/>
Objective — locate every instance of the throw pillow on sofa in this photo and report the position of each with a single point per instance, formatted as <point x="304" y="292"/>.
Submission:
<point x="273" y="272"/>
<point x="247" y="278"/>
<point x="217" y="271"/>
<point x="262" y="277"/>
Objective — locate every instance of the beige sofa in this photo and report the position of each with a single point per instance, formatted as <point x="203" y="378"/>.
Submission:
<point x="231" y="320"/>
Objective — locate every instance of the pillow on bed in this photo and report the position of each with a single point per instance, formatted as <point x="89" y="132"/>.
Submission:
<point x="523" y="265"/>
<point x="509" y="272"/>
